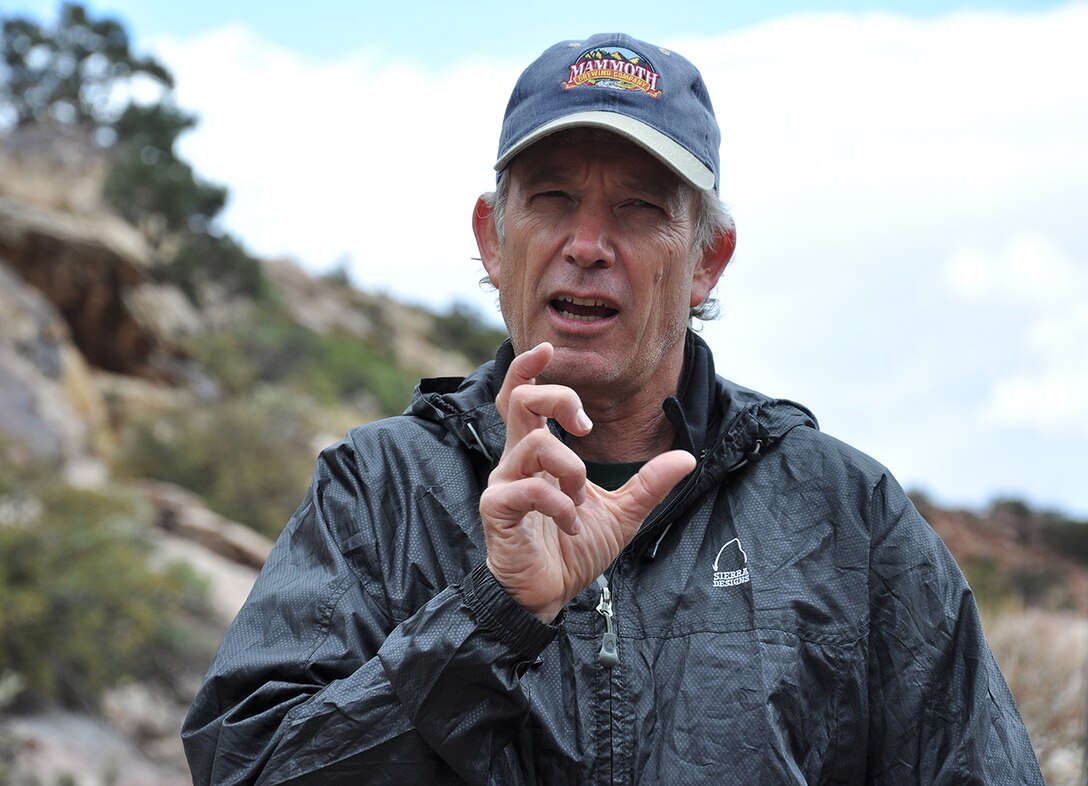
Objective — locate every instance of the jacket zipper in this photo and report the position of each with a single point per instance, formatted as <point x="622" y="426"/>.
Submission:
<point x="609" y="653"/>
<point x="608" y="656"/>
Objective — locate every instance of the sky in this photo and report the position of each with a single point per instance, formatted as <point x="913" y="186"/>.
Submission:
<point x="909" y="182"/>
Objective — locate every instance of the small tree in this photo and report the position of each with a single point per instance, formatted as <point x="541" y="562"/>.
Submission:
<point x="158" y="192"/>
<point x="66" y="74"/>
<point x="149" y="185"/>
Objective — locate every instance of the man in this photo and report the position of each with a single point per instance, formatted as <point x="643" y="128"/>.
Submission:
<point x="593" y="560"/>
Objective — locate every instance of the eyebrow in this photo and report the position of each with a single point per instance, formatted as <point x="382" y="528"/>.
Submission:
<point x="543" y="174"/>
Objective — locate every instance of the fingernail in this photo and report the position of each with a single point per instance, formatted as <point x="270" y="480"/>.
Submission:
<point x="583" y="421"/>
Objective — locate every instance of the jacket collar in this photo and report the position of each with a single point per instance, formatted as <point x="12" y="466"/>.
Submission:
<point x="714" y="419"/>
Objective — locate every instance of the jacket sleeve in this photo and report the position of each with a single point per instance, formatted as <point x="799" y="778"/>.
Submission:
<point x="940" y="710"/>
<point x="315" y="682"/>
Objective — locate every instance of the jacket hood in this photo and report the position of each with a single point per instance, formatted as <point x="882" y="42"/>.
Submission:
<point x="723" y="424"/>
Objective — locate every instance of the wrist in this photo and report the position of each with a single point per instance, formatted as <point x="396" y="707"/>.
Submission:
<point x="499" y="613"/>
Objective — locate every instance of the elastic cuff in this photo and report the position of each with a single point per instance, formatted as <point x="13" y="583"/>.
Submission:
<point x="502" y="616"/>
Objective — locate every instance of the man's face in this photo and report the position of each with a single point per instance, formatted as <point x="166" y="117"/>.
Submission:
<point x="598" y="259"/>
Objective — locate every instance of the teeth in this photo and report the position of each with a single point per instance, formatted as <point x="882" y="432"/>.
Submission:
<point x="580" y="302"/>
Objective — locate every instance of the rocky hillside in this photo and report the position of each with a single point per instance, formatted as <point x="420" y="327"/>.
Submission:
<point x="1016" y="557"/>
<point x="120" y="383"/>
<point x="94" y="348"/>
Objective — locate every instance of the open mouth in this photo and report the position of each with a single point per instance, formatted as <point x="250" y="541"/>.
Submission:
<point x="585" y="310"/>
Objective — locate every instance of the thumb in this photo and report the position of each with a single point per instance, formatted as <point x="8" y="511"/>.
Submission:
<point x="651" y="484"/>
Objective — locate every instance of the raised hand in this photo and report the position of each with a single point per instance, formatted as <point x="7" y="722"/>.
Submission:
<point x="549" y="532"/>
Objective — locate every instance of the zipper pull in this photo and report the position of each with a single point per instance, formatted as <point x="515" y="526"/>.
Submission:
<point x="608" y="656"/>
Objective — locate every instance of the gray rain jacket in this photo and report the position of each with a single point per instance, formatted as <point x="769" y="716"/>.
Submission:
<point x="785" y="616"/>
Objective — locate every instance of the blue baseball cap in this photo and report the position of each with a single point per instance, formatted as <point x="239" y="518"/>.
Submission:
<point x="645" y="93"/>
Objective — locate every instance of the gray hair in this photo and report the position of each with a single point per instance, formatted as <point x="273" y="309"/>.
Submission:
<point x="711" y="220"/>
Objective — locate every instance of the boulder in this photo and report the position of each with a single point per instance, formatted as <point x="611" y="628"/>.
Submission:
<point x="87" y="267"/>
<point x="49" y="403"/>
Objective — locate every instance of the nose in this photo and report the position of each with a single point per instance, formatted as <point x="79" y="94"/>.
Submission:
<point x="589" y="242"/>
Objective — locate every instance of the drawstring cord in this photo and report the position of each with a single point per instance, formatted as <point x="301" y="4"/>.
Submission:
<point x="479" y="442"/>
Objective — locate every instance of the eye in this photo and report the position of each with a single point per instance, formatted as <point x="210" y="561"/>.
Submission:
<point x="550" y="200"/>
<point x="642" y="204"/>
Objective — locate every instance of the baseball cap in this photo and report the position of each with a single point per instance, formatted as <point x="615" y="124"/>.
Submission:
<point x="646" y="93"/>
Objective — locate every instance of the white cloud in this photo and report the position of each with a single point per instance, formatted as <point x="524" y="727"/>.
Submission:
<point x="1033" y="282"/>
<point x="909" y="196"/>
<point x="370" y="160"/>
<point x="1050" y="390"/>
<point x="1028" y="271"/>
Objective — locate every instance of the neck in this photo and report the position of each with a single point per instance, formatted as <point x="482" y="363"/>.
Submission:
<point x="617" y="438"/>
<point x="630" y="429"/>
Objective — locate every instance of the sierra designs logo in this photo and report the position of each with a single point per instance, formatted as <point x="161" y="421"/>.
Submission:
<point x="616" y="68"/>
<point x="731" y="565"/>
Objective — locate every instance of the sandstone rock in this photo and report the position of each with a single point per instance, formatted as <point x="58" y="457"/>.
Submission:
<point x="48" y="399"/>
<point x="326" y="307"/>
<point x="226" y="554"/>
<point x="53" y="167"/>
<point x="57" y="746"/>
<point x="150" y="716"/>
<point x="320" y="305"/>
<point x="85" y="266"/>
<point x="183" y="513"/>
<point x="127" y="398"/>
<point x="413" y="344"/>
<point x="165" y="310"/>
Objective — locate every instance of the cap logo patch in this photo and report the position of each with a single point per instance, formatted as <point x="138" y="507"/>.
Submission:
<point x="615" y="68"/>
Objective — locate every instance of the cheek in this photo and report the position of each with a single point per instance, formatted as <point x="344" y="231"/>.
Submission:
<point x="514" y="301"/>
<point x="673" y="281"/>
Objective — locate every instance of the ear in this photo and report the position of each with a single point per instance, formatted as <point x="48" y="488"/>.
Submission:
<point x="487" y="239"/>
<point x="711" y="265"/>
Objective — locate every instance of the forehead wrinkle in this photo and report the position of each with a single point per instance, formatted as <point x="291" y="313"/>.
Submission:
<point x="531" y="176"/>
<point x="646" y="176"/>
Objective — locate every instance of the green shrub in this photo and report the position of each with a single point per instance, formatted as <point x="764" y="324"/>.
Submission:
<point x="267" y="348"/>
<point x="274" y="350"/>
<point x="1067" y="536"/>
<point x="1001" y="590"/>
<point x="161" y="194"/>
<point x="205" y="259"/>
<point x="250" y="459"/>
<point x="463" y="330"/>
<point x="82" y="607"/>
<point x="345" y="368"/>
<point x="991" y="587"/>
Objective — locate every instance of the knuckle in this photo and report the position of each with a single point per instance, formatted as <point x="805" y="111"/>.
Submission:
<point x="520" y="396"/>
<point x="541" y="439"/>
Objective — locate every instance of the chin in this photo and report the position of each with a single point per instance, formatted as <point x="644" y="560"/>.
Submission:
<point x="581" y="369"/>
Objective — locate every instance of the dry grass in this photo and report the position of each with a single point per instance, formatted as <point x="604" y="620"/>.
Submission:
<point x="1044" y="656"/>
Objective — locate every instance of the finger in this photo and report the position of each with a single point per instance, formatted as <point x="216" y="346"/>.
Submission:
<point x="541" y="452"/>
<point x="529" y="404"/>
<point x="524" y="369"/>
<point x="504" y="506"/>
<point x="653" y="482"/>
